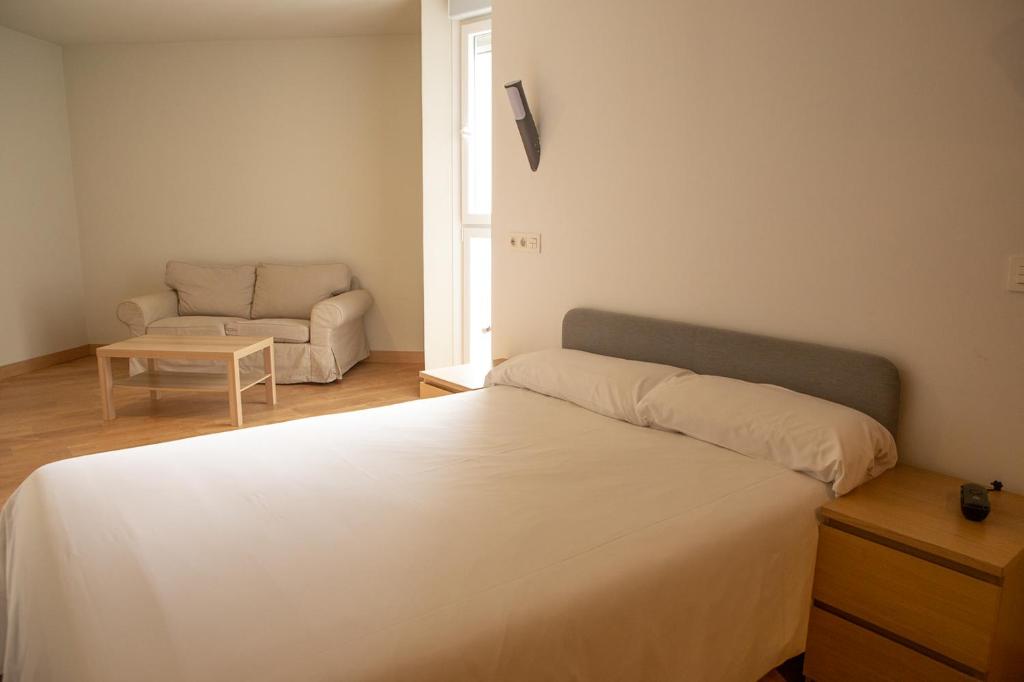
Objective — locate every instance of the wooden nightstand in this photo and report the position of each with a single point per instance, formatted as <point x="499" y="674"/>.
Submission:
<point x="907" y="589"/>
<point x="455" y="379"/>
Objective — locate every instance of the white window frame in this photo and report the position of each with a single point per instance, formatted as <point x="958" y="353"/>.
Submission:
<point x="469" y="232"/>
<point x="467" y="225"/>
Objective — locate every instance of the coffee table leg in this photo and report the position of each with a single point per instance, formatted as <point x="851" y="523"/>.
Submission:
<point x="151" y="368"/>
<point x="106" y="387"/>
<point x="270" y="385"/>
<point x="234" y="392"/>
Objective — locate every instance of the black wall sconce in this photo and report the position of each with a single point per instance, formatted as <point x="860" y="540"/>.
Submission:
<point x="524" y="120"/>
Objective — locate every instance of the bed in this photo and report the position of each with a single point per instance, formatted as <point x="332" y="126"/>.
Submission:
<point x="492" y="535"/>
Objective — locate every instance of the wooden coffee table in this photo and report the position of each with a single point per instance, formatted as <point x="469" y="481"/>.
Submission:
<point x="226" y="349"/>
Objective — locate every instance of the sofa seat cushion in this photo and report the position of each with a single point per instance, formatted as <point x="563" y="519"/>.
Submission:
<point x="283" y="330"/>
<point x="291" y="291"/>
<point x="192" y="325"/>
<point x="212" y="290"/>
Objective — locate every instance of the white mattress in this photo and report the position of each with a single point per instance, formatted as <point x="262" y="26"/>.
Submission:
<point x="492" y="535"/>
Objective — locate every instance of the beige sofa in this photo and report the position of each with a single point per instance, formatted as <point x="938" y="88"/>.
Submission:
<point x="315" y="317"/>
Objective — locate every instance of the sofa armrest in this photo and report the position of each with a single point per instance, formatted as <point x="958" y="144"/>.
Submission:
<point x="140" y="312"/>
<point x="337" y="333"/>
<point x="339" y="310"/>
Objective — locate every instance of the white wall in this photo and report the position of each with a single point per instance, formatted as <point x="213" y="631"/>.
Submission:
<point x="439" y="228"/>
<point x="236" y="152"/>
<point x="40" y="270"/>
<point x="849" y="173"/>
<point x="462" y="9"/>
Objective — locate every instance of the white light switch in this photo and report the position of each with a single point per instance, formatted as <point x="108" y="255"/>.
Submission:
<point x="527" y="242"/>
<point x="1015" y="277"/>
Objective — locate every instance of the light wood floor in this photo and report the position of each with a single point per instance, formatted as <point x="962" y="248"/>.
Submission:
<point x="54" y="413"/>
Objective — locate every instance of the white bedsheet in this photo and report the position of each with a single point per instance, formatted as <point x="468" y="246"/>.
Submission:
<point x="492" y="535"/>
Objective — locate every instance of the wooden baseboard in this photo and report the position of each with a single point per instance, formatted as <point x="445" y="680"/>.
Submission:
<point x="48" y="360"/>
<point x="407" y="357"/>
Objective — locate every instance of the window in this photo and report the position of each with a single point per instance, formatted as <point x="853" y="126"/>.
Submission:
<point x="475" y="200"/>
<point x="476" y="253"/>
<point x="476" y="123"/>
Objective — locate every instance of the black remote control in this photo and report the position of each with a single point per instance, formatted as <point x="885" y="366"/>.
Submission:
<point x="974" y="503"/>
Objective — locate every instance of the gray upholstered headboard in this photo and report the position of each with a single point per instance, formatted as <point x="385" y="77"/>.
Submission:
<point x="865" y="382"/>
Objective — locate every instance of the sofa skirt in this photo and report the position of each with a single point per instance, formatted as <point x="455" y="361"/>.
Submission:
<point x="294" y="363"/>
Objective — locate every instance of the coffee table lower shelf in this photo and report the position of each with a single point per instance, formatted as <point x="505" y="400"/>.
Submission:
<point x="190" y="381"/>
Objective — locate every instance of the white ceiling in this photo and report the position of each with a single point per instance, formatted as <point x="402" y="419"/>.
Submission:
<point x="134" y="21"/>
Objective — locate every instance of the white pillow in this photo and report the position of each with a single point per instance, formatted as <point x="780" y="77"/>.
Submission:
<point x="828" y="441"/>
<point x="606" y="385"/>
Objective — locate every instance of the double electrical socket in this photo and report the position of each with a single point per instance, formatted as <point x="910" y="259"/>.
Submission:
<point x="528" y="242"/>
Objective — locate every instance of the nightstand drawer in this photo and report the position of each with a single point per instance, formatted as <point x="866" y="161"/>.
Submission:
<point x="941" y="609"/>
<point x="429" y="391"/>
<point x="839" y="651"/>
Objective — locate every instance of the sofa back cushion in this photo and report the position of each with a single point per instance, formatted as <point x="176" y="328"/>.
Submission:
<point x="291" y="291"/>
<point x="212" y="290"/>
